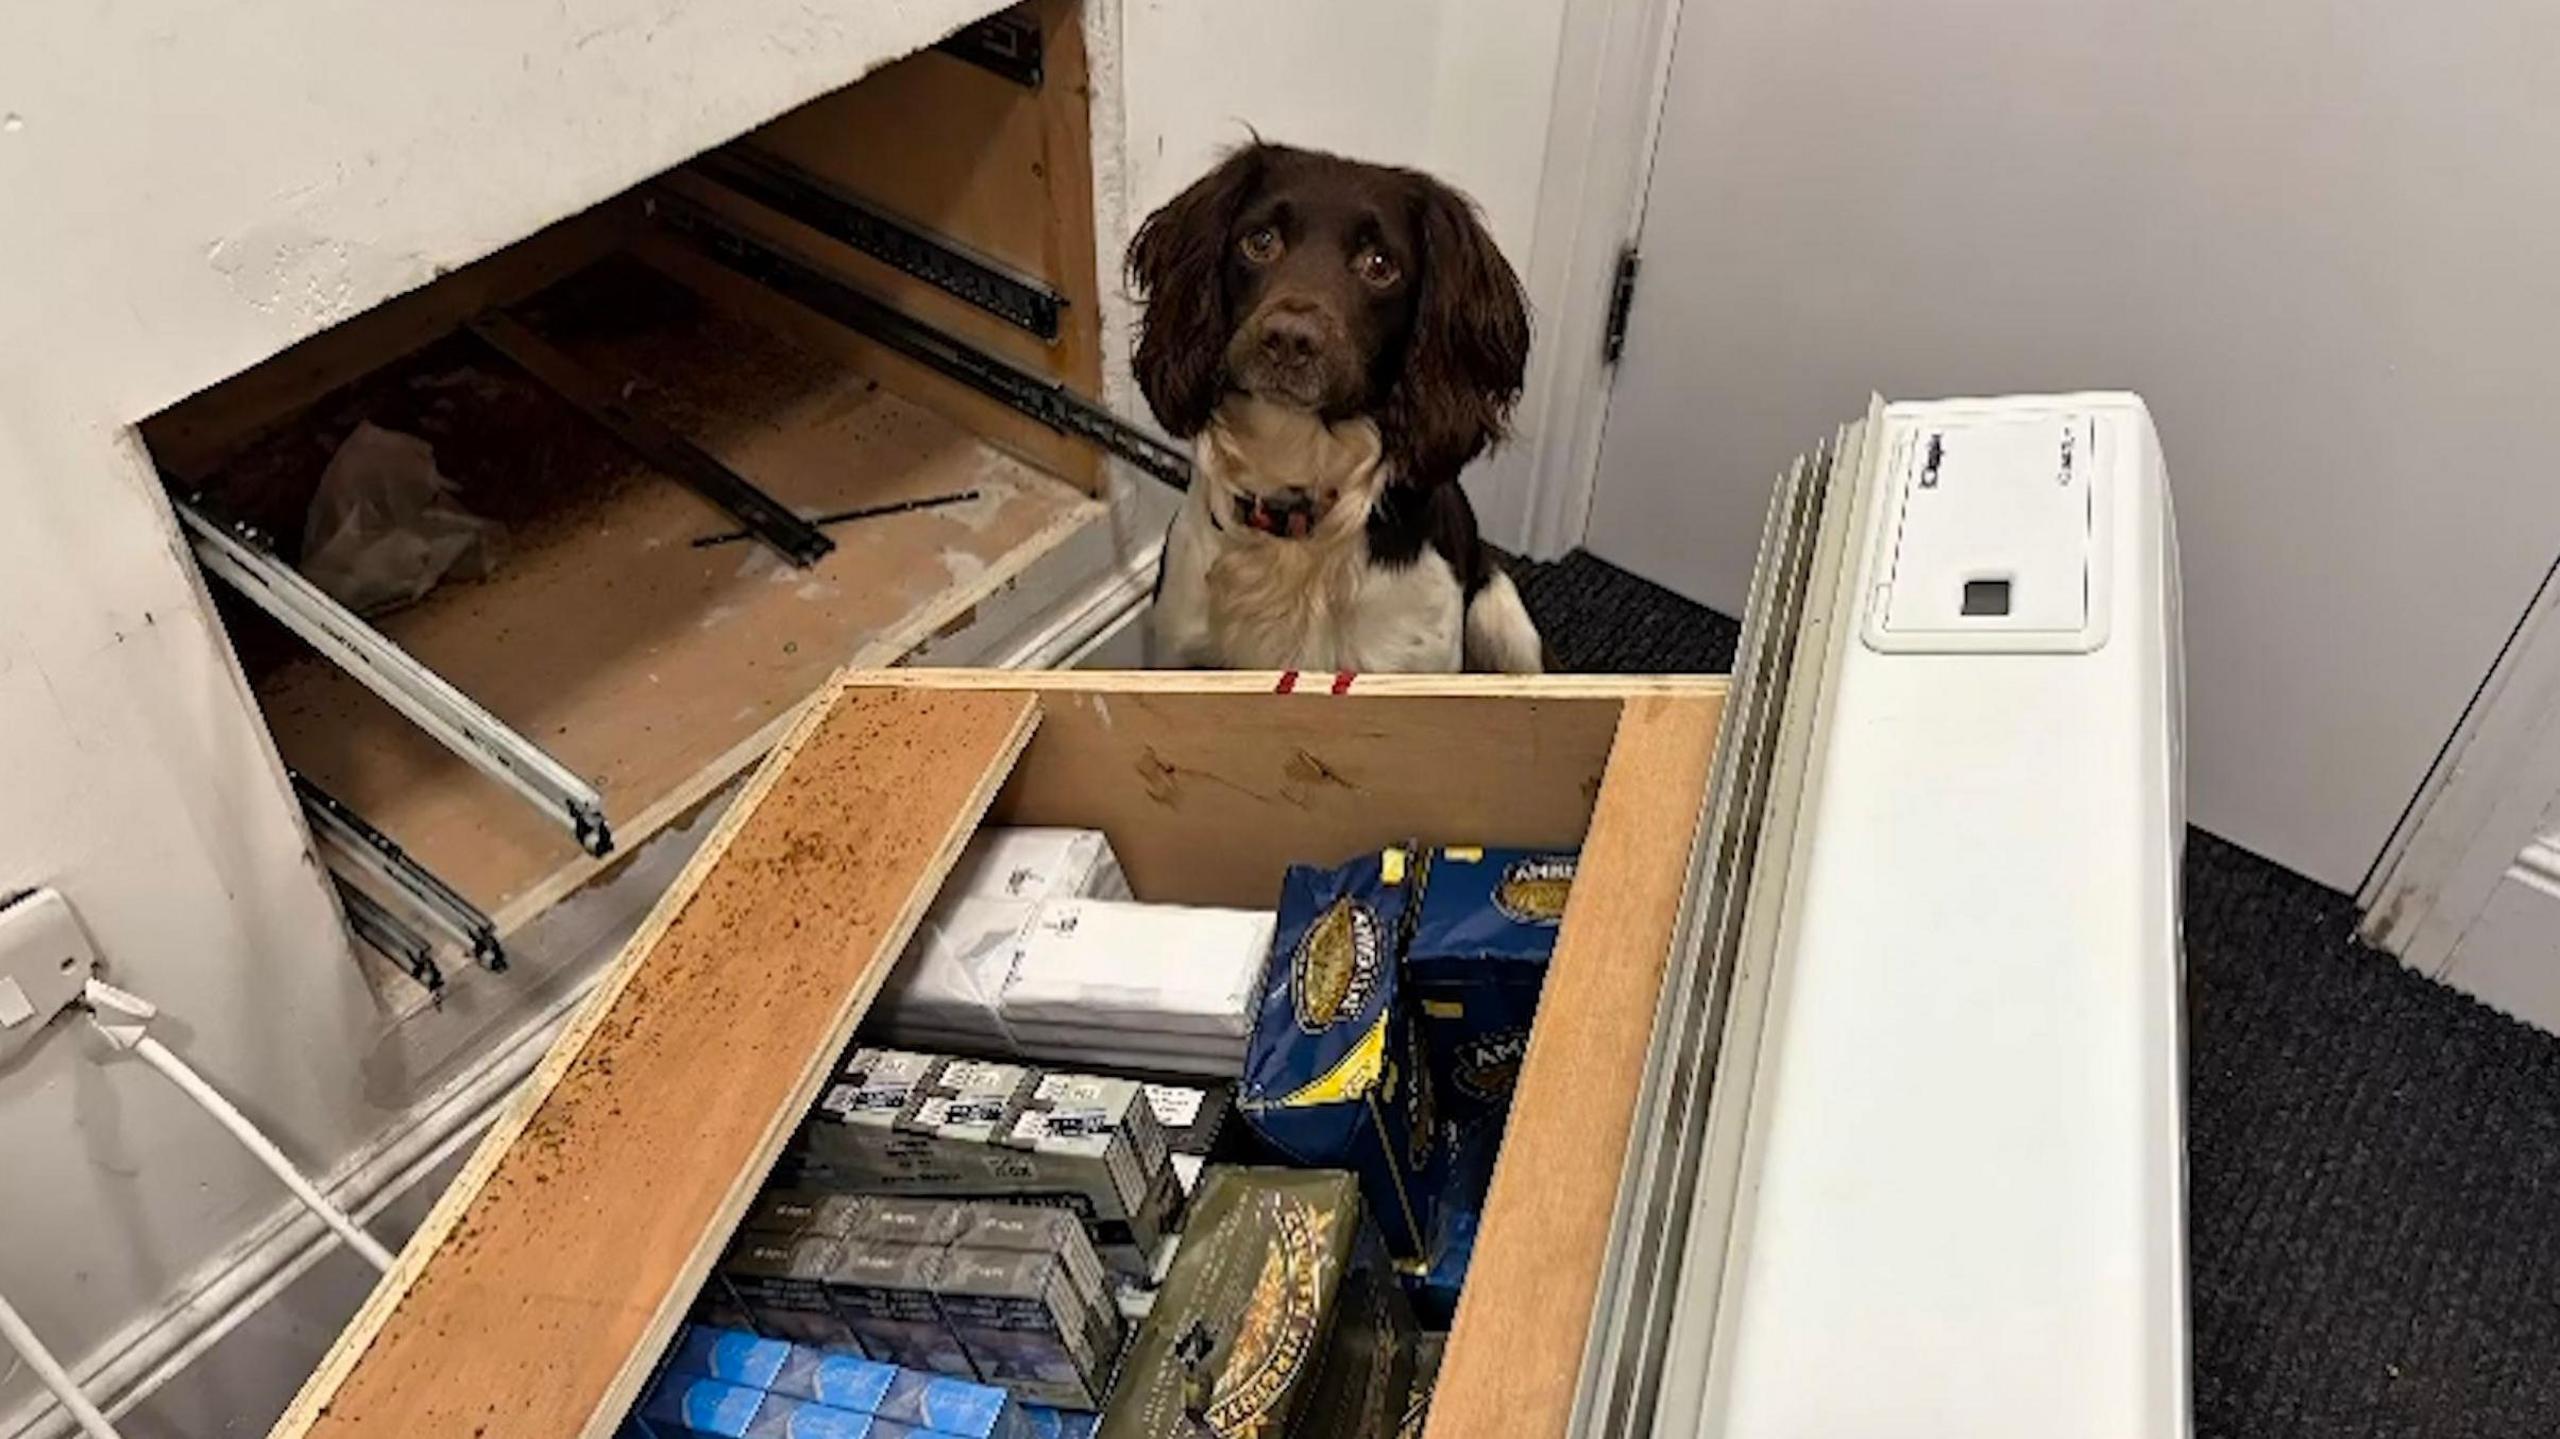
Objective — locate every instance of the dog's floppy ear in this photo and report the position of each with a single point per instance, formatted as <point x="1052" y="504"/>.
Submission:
<point x="1469" y="345"/>
<point x="1177" y="262"/>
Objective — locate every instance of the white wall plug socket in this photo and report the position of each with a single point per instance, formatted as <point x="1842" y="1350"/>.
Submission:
<point x="45" y="963"/>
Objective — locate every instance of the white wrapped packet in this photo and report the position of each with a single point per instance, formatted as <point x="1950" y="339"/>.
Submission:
<point x="952" y="978"/>
<point x="1140" y="969"/>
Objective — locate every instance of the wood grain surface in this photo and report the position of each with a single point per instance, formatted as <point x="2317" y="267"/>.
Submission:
<point x="535" y="1298"/>
<point x="1516" y="1350"/>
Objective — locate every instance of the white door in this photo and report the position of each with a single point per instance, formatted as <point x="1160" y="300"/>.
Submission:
<point x="2316" y="240"/>
<point x="2469" y="891"/>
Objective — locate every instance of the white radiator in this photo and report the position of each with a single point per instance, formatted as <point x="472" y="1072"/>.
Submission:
<point x="1911" y="1158"/>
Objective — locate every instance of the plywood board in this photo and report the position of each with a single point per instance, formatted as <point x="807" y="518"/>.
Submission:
<point x="658" y="670"/>
<point x="533" y="1301"/>
<point x="902" y="292"/>
<point x="1208" y="799"/>
<point x="997" y="423"/>
<point x="1515" y="1353"/>
<point x="1307" y="688"/>
<point x="1004" y="170"/>
<point x="946" y="143"/>
<point x="1210" y="784"/>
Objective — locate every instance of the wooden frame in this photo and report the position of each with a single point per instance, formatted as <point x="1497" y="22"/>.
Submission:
<point x="536" y="1296"/>
<point x="973" y="156"/>
<point x="656" y="1114"/>
<point x="658" y="671"/>
<point x="1516" y="1352"/>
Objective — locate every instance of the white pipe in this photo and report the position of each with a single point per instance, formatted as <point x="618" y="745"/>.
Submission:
<point x="55" y="1377"/>
<point x="321" y="1245"/>
<point x="147" y="1357"/>
<point x="209" y="1099"/>
<point x="1089" y="616"/>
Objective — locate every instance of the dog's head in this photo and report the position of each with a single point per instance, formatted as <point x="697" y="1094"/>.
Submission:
<point x="1333" y="286"/>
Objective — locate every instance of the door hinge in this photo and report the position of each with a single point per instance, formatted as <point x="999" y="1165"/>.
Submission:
<point x="1622" y="298"/>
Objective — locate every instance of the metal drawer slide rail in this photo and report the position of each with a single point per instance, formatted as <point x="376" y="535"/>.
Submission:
<point x="940" y="261"/>
<point x="242" y="560"/>
<point x="1736" y="892"/>
<point x="393" y="939"/>
<point x="372" y="852"/>
<point x="597" y="398"/>
<point x="1041" y="398"/>
<point x="1007" y="44"/>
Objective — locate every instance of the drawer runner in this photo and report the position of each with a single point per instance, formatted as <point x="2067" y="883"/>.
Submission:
<point x="389" y="935"/>
<point x="428" y="701"/>
<point x="354" y="844"/>
<point x="1042" y="399"/>
<point x="1021" y="300"/>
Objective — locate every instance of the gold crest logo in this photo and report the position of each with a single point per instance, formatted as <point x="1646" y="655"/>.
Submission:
<point x="1488" y="1065"/>
<point x="1275" y="1334"/>
<point x="1336" y="967"/>
<point x="1533" y="890"/>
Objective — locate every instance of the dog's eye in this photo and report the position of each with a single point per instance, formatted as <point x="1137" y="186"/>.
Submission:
<point x="1261" y="245"/>
<point x="1375" y="269"/>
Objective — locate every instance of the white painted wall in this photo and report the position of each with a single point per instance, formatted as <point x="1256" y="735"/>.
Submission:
<point x="186" y="187"/>
<point x="1462" y="88"/>
<point x="2314" y="236"/>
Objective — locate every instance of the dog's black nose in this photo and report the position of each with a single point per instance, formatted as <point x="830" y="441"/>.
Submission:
<point x="1291" y="336"/>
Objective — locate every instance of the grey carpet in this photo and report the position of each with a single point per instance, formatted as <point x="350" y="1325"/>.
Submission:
<point x="2373" y="1159"/>
<point x="1601" y="620"/>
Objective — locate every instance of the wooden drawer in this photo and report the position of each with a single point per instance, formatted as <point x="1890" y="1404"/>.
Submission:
<point x="534" y="1300"/>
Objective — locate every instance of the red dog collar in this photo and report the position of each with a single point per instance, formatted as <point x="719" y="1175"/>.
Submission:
<point x="1293" y="518"/>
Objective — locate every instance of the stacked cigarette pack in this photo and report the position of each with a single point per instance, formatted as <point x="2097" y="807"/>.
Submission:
<point x="725" y="1384"/>
<point x="1193" y="1120"/>
<point x="992" y="1293"/>
<point x="955" y="1217"/>
<point x="898" y="1122"/>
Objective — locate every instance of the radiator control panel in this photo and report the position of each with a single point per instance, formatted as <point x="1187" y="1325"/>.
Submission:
<point x="1994" y="535"/>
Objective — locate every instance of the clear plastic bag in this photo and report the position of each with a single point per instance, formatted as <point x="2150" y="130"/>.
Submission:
<point x="384" y="526"/>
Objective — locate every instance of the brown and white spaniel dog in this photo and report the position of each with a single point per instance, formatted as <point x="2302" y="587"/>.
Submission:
<point x="1338" y="340"/>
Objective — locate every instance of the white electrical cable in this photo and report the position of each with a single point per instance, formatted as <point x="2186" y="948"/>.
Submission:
<point x="55" y="1377"/>
<point x="157" y="1055"/>
<point x="123" y="1018"/>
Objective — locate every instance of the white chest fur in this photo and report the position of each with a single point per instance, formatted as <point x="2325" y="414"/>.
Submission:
<point x="1236" y="598"/>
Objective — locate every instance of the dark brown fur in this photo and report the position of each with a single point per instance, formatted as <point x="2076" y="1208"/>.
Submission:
<point x="1264" y="276"/>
